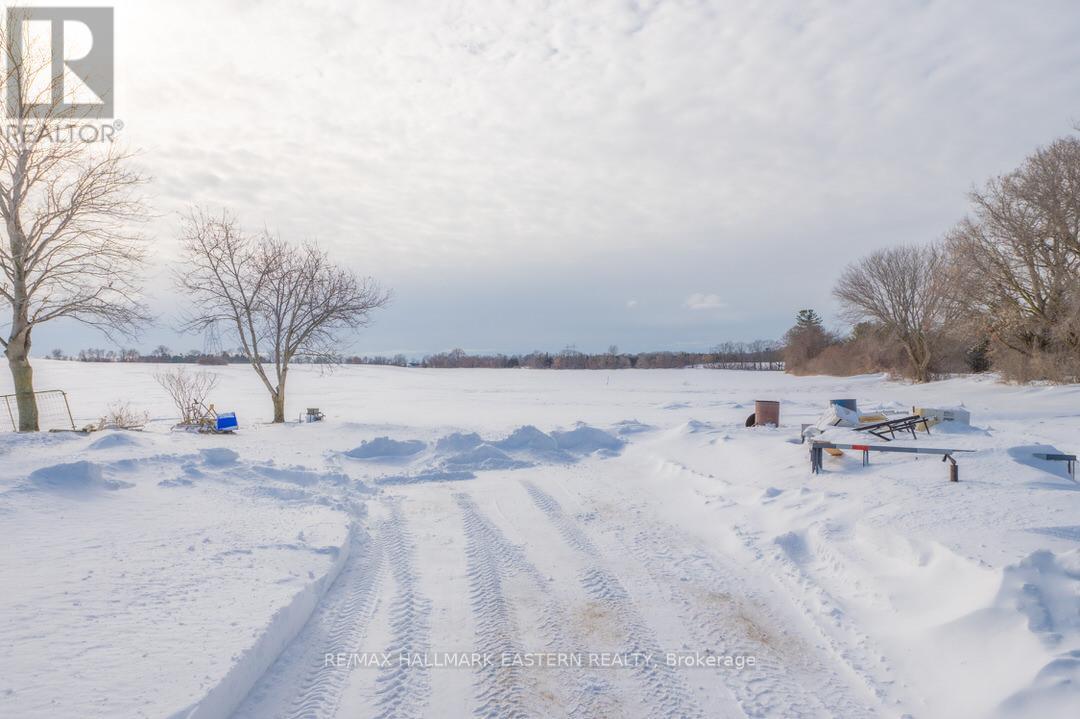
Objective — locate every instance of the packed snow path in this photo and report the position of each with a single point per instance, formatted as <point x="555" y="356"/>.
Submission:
<point x="580" y="600"/>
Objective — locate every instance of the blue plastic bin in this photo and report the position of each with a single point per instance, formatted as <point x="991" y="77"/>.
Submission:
<point x="226" y="421"/>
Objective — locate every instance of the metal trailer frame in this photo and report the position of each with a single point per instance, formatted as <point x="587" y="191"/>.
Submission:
<point x="207" y="420"/>
<point x="892" y="426"/>
<point x="1053" y="457"/>
<point x="817" y="448"/>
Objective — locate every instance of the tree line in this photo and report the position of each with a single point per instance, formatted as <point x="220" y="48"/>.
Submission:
<point x="999" y="290"/>
<point x="763" y="355"/>
<point x="757" y="355"/>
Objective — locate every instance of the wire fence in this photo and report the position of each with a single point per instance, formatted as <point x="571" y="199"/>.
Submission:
<point x="54" y="412"/>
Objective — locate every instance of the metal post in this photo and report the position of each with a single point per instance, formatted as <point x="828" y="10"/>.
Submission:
<point x="954" y="470"/>
<point x="70" y="419"/>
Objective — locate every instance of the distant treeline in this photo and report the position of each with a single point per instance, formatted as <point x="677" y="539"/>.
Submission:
<point x="160" y="355"/>
<point x="757" y="355"/>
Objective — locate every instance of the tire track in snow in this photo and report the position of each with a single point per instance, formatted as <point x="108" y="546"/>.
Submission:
<point x="401" y="689"/>
<point x="500" y="690"/>
<point x="300" y="685"/>
<point x="778" y="676"/>
<point x="507" y="691"/>
<point x="799" y="563"/>
<point x="788" y="678"/>
<point x="662" y="685"/>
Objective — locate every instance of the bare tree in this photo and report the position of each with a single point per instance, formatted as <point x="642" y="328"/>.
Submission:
<point x="904" y="289"/>
<point x="188" y="390"/>
<point x="1016" y="257"/>
<point x="67" y="207"/>
<point x="280" y="301"/>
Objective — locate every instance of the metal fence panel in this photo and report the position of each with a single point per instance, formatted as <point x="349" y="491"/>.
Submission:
<point x="54" y="412"/>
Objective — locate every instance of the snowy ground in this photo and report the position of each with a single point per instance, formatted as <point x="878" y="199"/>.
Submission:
<point x="332" y="569"/>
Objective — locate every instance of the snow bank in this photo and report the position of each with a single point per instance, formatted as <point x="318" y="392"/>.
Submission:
<point x="224" y="697"/>
<point x="218" y="456"/>
<point x="176" y="482"/>
<point x="458" y="455"/>
<point x="1045" y="588"/>
<point x="458" y="442"/>
<point x="1055" y="692"/>
<point x="584" y="439"/>
<point x="484" y="457"/>
<point x="74" y="477"/>
<point x="115" y="440"/>
<point x="528" y="437"/>
<point x="632" y="426"/>
<point x="384" y="447"/>
<point x="694" y="426"/>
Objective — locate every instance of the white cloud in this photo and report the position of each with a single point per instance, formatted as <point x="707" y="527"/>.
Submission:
<point x="728" y="143"/>
<point x="701" y="301"/>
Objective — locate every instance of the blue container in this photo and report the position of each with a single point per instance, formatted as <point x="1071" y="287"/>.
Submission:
<point x="226" y="422"/>
<point x="845" y="403"/>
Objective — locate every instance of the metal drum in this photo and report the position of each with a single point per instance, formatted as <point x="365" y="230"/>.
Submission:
<point x="766" y="412"/>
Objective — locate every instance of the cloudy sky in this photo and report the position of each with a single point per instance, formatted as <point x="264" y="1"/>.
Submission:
<point x="533" y="174"/>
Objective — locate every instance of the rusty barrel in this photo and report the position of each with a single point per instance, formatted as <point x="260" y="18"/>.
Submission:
<point x="766" y="412"/>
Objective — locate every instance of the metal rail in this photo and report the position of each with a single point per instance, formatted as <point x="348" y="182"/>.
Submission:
<point x="1052" y="457"/>
<point x="817" y="448"/>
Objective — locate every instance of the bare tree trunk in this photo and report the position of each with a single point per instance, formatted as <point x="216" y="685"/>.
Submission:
<point x="922" y="370"/>
<point x="279" y="407"/>
<point x="17" y="352"/>
<point x="279" y="400"/>
<point x="919" y="356"/>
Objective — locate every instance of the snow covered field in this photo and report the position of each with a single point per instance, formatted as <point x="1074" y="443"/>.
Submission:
<point x="464" y="517"/>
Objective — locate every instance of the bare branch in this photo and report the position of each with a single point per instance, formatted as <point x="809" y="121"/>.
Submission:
<point x="278" y="300"/>
<point x="904" y="289"/>
<point x="70" y="211"/>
